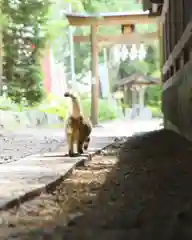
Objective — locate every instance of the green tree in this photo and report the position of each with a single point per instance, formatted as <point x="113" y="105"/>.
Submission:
<point x="152" y="59"/>
<point x="24" y="38"/>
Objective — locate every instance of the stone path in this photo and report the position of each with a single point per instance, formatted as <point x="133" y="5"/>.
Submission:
<point x="121" y="128"/>
<point x="26" y="178"/>
<point x="14" y="146"/>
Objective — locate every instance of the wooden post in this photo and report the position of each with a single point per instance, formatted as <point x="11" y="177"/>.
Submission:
<point x="1" y="54"/>
<point x="134" y="97"/>
<point x="161" y="45"/>
<point x="141" y="97"/>
<point x="95" y="76"/>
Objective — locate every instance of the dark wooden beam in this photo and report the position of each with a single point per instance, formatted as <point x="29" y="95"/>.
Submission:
<point x="127" y="28"/>
<point x="157" y="1"/>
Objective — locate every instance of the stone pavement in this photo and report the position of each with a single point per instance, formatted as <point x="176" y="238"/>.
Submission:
<point x="127" y="128"/>
<point x="28" y="177"/>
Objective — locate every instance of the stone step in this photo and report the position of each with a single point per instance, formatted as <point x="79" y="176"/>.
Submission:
<point x="26" y="178"/>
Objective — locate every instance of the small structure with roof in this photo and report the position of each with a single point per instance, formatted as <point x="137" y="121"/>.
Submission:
<point x="133" y="89"/>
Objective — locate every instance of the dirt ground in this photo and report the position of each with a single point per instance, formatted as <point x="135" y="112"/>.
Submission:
<point x="142" y="192"/>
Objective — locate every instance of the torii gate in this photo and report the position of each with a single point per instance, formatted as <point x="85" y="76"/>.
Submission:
<point x="127" y="22"/>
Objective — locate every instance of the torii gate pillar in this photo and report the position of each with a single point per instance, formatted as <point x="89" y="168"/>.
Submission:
<point x="95" y="75"/>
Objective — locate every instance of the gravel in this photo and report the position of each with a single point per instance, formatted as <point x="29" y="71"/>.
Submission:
<point x="14" y="146"/>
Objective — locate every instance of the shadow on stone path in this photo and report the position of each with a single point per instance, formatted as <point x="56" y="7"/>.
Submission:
<point x="146" y="196"/>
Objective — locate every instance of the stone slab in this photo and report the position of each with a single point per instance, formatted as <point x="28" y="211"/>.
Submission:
<point x="28" y="177"/>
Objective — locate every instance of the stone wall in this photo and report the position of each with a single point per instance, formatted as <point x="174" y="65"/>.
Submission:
<point x="33" y="118"/>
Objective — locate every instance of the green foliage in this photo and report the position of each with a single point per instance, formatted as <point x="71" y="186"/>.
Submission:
<point x="58" y="24"/>
<point x="54" y="105"/>
<point x="59" y="107"/>
<point x="7" y="104"/>
<point x="156" y="111"/>
<point x="24" y="37"/>
<point x="129" y="67"/>
<point x="148" y="66"/>
<point x="153" y="96"/>
<point x="152" y="59"/>
<point x="156" y="74"/>
<point x="106" y="110"/>
<point x="97" y="6"/>
<point x="153" y="100"/>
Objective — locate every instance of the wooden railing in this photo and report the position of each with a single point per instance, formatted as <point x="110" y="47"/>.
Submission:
<point x="179" y="47"/>
<point x="177" y="41"/>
